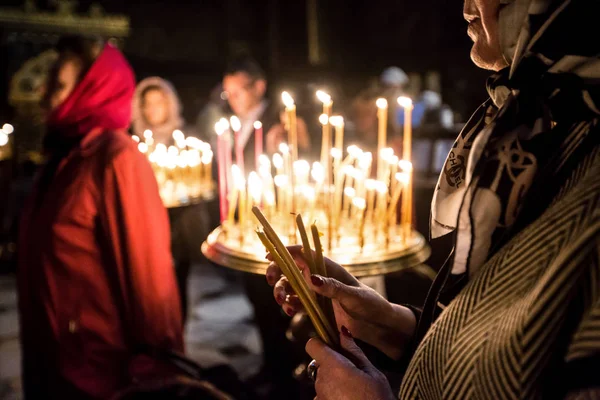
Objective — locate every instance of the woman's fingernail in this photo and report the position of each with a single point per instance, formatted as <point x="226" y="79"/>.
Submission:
<point x="316" y="280"/>
<point x="280" y="299"/>
<point x="346" y="332"/>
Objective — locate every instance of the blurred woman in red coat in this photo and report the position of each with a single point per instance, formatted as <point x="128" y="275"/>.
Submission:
<point x="96" y="281"/>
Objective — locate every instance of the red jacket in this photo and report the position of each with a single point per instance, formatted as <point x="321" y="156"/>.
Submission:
<point x="95" y="276"/>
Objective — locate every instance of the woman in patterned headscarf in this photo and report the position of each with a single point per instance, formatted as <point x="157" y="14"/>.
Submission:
<point x="515" y="311"/>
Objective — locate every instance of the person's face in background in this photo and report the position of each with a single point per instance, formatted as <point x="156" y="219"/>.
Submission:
<point x="484" y="30"/>
<point x="155" y="107"/>
<point x="243" y="92"/>
<point x="364" y="116"/>
<point x="62" y="80"/>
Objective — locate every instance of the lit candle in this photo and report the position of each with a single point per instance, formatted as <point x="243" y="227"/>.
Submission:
<point x="382" y="115"/>
<point x="407" y="104"/>
<point x="207" y="158"/>
<point x="278" y="164"/>
<point x="360" y="205"/>
<point x="236" y="126"/>
<point x="258" y="143"/>
<point x="290" y="109"/>
<point x="326" y="140"/>
<point x="338" y="123"/>
<point x="135" y="138"/>
<point x="222" y="172"/>
<point x="370" y="185"/>
<point x="255" y="189"/>
<point x="406" y="212"/>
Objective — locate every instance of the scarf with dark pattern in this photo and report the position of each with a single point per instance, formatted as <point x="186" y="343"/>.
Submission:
<point x="554" y="77"/>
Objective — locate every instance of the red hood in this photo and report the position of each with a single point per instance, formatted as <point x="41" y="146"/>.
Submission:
<point x="102" y="100"/>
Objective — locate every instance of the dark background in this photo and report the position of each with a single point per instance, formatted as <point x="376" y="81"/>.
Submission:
<point x="189" y="43"/>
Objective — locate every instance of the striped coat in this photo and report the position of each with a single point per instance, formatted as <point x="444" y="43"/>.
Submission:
<point x="527" y="325"/>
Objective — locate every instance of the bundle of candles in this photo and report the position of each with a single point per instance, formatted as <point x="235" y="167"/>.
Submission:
<point x="318" y="308"/>
<point x="183" y="171"/>
<point x="360" y="214"/>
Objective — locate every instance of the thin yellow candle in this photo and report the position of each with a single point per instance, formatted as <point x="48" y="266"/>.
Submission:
<point x="233" y="200"/>
<point x="278" y="164"/>
<point x="382" y="116"/>
<point x="326" y="140"/>
<point x="370" y="185"/>
<point x="338" y="124"/>
<point x="319" y="319"/>
<point x="406" y="212"/>
<point x="290" y="109"/>
<point x="360" y="204"/>
<point x="306" y="250"/>
<point x="407" y="104"/>
<point x="207" y="158"/>
<point x="324" y="302"/>
<point x="255" y="188"/>
<point x="296" y="284"/>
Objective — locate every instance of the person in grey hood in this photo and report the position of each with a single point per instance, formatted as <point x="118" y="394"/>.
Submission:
<point x="157" y="107"/>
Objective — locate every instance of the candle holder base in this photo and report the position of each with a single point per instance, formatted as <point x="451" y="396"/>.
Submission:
<point x="374" y="259"/>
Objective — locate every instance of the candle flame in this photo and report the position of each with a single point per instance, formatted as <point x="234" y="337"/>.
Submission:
<point x="381" y="187"/>
<point x="288" y="101"/>
<point x="405" y="102"/>
<point x="221" y="126"/>
<point x="147" y="133"/>
<point x="323" y="119"/>
<point x="143" y="147"/>
<point x="309" y="192"/>
<point x="386" y="153"/>
<point x="365" y="160"/>
<point x="136" y="138"/>
<point x="403" y="177"/>
<point x="301" y="167"/>
<point x="405" y="165"/>
<point x="173" y="151"/>
<point x="354" y="151"/>
<point x="178" y="136"/>
<point x="381" y="103"/>
<point x="255" y="186"/>
<point x="371" y="184"/>
<point x="350" y="191"/>
<point x="264" y="171"/>
<point x="336" y="153"/>
<point x="8" y="128"/>
<point x="263" y="160"/>
<point x="318" y="172"/>
<point x="235" y="123"/>
<point x="207" y="157"/>
<point x="238" y="178"/>
<point x="277" y="160"/>
<point x="161" y="148"/>
<point x="337" y="121"/>
<point x="270" y="198"/>
<point x="150" y="141"/>
<point x="359" y="203"/>
<point x="284" y="148"/>
<point x="281" y="180"/>
<point x="257" y="125"/>
<point x="393" y="160"/>
<point x="323" y="97"/>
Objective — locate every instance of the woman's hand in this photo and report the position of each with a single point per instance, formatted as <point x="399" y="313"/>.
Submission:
<point x="348" y="376"/>
<point x="365" y="312"/>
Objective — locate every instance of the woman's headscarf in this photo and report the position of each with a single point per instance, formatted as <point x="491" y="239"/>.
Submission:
<point x="174" y="120"/>
<point x="552" y="47"/>
<point x="99" y="101"/>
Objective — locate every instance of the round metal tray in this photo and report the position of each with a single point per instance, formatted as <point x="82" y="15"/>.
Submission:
<point x="375" y="259"/>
